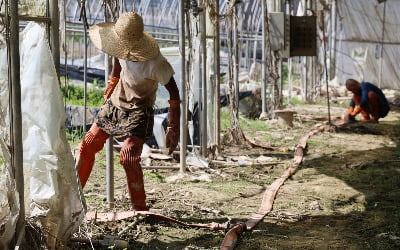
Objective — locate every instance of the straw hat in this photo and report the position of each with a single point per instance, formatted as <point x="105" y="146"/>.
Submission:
<point x="125" y="38"/>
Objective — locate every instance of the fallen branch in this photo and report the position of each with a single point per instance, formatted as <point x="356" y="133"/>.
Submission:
<point x="128" y="227"/>
<point x="116" y="216"/>
<point x="201" y="208"/>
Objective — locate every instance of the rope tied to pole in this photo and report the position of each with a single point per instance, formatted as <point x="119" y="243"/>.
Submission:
<point x="82" y="15"/>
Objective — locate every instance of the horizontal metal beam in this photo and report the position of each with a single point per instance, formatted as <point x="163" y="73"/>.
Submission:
<point x="40" y="19"/>
<point x="366" y="41"/>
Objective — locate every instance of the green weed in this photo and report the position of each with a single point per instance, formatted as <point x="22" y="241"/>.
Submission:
<point x="154" y="176"/>
<point x="245" y="123"/>
<point x="75" y="96"/>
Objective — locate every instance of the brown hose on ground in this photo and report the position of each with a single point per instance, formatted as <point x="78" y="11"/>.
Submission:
<point x="232" y="236"/>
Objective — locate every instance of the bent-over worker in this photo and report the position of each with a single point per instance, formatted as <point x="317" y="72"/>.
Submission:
<point x="368" y="100"/>
<point x="128" y="113"/>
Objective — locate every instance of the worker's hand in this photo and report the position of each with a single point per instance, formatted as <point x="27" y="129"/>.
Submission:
<point x="172" y="137"/>
<point x="111" y="83"/>
<point x="350" y="110"/>
<point x="356" y="111"/>
<point x="348" y="118"/>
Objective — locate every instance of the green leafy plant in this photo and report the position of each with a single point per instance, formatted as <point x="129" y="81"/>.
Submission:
<point x="74" y="95"/>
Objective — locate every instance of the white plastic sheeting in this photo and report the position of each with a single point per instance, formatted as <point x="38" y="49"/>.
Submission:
<point x="360" y="40"/>
<point x="51" y="188"/>
<point x="9" y="205"/>
<point x="173" y="56"/>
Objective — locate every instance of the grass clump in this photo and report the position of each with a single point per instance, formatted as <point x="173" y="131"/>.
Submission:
<point x="245" y="123"/>
<point x="154" y="176"/>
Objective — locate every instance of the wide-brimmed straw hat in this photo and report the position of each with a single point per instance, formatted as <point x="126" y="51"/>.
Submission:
<point x="125" y="38"/>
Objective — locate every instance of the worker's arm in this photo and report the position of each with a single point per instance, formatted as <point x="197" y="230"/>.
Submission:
<point x="172" y="89"/>
<point x="113" y="79"/>
<point x="350" y="115"/>
<point x="116" y="69"/>
<point x="172" y="136"/>
<point x="353" y="109"/>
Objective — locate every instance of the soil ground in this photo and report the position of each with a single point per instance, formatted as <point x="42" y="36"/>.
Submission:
<point x="345" y="195"/>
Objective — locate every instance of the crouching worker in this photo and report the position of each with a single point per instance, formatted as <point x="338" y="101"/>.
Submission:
<point x="127" y="113"/>
<point x="368" y="100"/>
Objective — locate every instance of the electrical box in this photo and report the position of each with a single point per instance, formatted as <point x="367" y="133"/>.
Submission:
<point x="293" y="35"/>
<point x="303" y="36"/>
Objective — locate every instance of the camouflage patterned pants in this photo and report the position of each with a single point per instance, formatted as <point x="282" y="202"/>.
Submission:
<point x="122" y="124"/>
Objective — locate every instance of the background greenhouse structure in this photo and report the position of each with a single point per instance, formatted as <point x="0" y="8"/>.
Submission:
<point x="220" y="50"/>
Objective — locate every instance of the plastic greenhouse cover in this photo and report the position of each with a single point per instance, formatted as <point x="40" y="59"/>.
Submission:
<point x="52" y="192"/>
<point x="9" y="206"/>
<point x="359" y="42"/>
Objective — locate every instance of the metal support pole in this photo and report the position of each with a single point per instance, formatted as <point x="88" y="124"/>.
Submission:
<point x="15" y="94"/>
<point x="203" y="54"/>
<point x="183" y="121"/>
<point x="109" y="149"/>
<point x="55" y="34"/>
<point x="382" y="43"/>
<point x="110" y="172"/>
<point x="304" y="83"/>
<point x="326" y="70"/>
<point x="110" y="140"/>
<point x="278" y="8"/>
<point x="290" y="84"/>
<point x="304" y="62"/>
<point x="236" y="57"/>
<point x="332" y="52"/>
<point x="280" y="85"/>
<point x="264" y="59"/>
<point x="217" y="80"/>
<point x="85" y="40"/>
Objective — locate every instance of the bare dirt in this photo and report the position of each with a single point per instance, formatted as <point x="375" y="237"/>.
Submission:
<point x="345" y="195"/>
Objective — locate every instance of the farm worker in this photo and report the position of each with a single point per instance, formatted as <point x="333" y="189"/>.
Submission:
<point x="128" y="113"/>
<point x="368" y="100"/>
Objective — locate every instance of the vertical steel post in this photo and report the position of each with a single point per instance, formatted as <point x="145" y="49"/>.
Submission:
<point x="203" y="54"/>
<point x="55" y="33"/>
<point x="236" y="57"/>
<point x="109" y="160"/>
<point x="304" y="63"/>
<point x="332" y="52"/>
<point x="326" y="70"/>
<point x="304" y="90"/>
<point x="217" y="79"/>
<point x="278" y="8"/>
<point x="290" y="83"/>
<point x="290" y="61"/>
<point x="382" y="43"/>
<point x="109" y="142"/>
<point x="183" y="121"/>
<point x="264" y="59"/>
<point x="85" y="41"/>
<point x="15" y="94"/>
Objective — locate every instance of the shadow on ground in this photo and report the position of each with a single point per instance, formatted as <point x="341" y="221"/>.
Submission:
<point x="375" y="174"/>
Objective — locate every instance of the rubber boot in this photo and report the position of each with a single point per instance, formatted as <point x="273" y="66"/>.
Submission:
<point x="91" y="144"/>
<point x="130" y="160"/>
